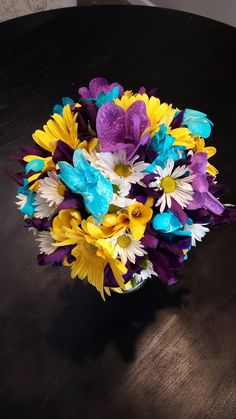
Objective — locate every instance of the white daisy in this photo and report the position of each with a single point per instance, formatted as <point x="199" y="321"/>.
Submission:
<point x="198" y="231"/>
<point x="126" y="247"/>
<point x="45" y="242"/>
<point x="22" y="199"/>
<point x="51" y="189"/>
<point x="119" y="196"/>
<point x="49" y="195"/>
<point x="115" y="168"/>
<point x="148" y="272"/>
<point x="174" y="184"/>
<point x="42" y="208"/>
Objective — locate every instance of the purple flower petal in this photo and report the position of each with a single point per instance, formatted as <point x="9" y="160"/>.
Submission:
<point x="197" y="201"/>
<point x="176" y="123"/>
<point x="152" y="92"/>
<point x="164" y="266"/>
<point x="149" y="241"/>
<point x="145" y="140"/>
<point x="35" y="150"/>
<point x="84" y="92"/>
<point x="71" y="203"/>
<point x="142" y="90"/>
<point x="39" y="223"/>
<point x="178" y="211"/>
<point x="98" y="85"/>
<point x="199" y="162"/>
<point x="200" y="183"/>
<point x="213" y="204"/>
<point x="55" y="257"/>
<point x="63" y="152"/>
<point x="217" y="189"/>
<point x="111" y="127"/>
<point x="227" y="217"/>
<point x="136" y="121"/>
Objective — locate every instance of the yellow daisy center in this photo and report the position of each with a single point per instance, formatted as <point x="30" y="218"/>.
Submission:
<point x="123" y="241"/>
<point x="122" y="170"/>
<point x="168" y="184"/>
<point x="61" y="189"/>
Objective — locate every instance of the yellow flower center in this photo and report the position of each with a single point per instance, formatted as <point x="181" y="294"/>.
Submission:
<point x="123" y="241"/>
<point x="61" y="189"/>
<point x="168" y="184"/>
<point x="122" y="170"/>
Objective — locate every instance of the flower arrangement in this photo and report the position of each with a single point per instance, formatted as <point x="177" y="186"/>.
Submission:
<point x="118" y="186"/>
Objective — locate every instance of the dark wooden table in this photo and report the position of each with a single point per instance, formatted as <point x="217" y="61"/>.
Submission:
<point x="156" y="353"/>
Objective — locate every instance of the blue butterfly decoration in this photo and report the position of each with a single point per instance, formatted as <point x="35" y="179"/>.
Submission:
<point x="89" y="182"/>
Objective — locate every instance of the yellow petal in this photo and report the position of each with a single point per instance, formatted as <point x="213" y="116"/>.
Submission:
<point x="41" y="138"/>
<point x="33" y="177"/>
<point x="116" y="272"/>
<point x="92" y="144"/>
<point x="150" y="201"/>
<point x="34" y="187"/>
<point x="137" y="230"/>
<point x="110" y="220"/>
<point x="210" y="151"/>
<point x="212" y="170"/>
<point x="94" y="231"/>
<point x="182" y="137"/>
<point x="31" y="157"/>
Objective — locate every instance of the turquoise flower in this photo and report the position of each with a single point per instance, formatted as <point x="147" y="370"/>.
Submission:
<point x="162" y="143"/>
<point x="65" y="101"/>
<point x="197" y="123"/>
<point x="89" y="182"/>
<point x="105" y="97"/>
<point x="170" y="226"/>
<point x="37" y="165"/>
<point x="166" y="222"/>
<point x="26" y="200"/>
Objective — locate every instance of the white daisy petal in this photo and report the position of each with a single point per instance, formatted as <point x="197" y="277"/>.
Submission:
<point x="49" y="189"/>
<point x="22" y="199"/>
<point x="45" y="242"/>
<point x="175" y="184"/>
<point x="198" y="231"/>
<point x="49" y="195"/>
<point x="111" y="163"/>
<point x="148" y="272"/>
<point x="129" y="249"/>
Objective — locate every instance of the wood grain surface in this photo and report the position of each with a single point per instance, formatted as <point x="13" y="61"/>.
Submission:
<point x="157" y="353"/>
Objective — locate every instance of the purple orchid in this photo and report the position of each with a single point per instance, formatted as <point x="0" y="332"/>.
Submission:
<point x="202" y="197"/>
<point x="118" y="129"/>
<point x="99" y="85"/>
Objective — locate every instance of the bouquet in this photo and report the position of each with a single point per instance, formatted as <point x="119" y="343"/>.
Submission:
<point x="118" y="187"/>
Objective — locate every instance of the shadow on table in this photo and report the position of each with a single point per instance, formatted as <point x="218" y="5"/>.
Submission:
<point x="87" y="324"/>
